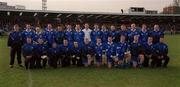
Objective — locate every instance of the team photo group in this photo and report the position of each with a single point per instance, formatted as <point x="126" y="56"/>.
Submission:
<point x="83" y="46"/>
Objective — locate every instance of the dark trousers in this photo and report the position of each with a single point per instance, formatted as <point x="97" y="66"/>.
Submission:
<point x="65" y="60"/>
<point x="15" y="51"/>
<point x="53" y="61"/>
<point x="29" y="62"/>
<point x="156" y="62"/>
<point x="146" y="61"/>
<point x="76" y="61"/>
<point x="38" y="61"/>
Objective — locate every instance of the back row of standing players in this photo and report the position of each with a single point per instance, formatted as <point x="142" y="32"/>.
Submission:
<point x="83" y="47"/>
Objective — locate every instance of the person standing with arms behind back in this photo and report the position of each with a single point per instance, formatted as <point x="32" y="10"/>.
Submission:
<point x="15" y="43"/>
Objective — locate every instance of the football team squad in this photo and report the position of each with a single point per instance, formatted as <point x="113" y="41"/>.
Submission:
<point x="64" y="47"/>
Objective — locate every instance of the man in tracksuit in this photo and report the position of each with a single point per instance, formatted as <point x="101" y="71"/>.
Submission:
<point x="77" y="54"/>
<point x="98" y="51"/>
<point x="65" y="53"/>
<point x="15" y="43"/>
<point x="53" y="55"/>
<point x="161" y="50"/>
<point x="137" y="52"/>
<point x="144" y="33"/>
<point x="149" y="51"/>
<point x="114" y="33"/>
<point x="88" y="52"/>
<point x="110" y="51"/>
<point x="28" y="50"/>
<point x="40" y="54"/>
<point x="132" y="32"/>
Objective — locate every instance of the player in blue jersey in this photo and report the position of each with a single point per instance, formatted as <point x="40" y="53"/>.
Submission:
<point x="144" y="33"/>
<point x="110" y="51"/>
<point x="98" y="51"/>
<point x="39" y="34"/>
<point x="78" y="34"/>
<point x="105" y="33"/>
<point x="69" y="33"/>
<point x="50" y="35"/>
<point x="59" y="35"/>
<point x="122" y="53"/>
<point x="156" y="34"/>
<point x="161" y="50"/>
<point x="27" y="51"/>
<point x="132" y="32"/>
<point x="28" y="32"/>
<point x="96" y="33"/>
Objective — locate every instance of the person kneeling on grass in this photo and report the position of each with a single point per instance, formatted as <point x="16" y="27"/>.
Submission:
<point x="88" y="52"/>
<point x="40" y="53"/>
<point x="53" y="55"/>
<point x="98" y="49"/>
<point x="137" y="52"/>
<point x="162" y="53"/>
<point x="110" y="51"/>
<point x="77" y="54"/>
<point x="122" y="53"/>
<point x="28" y="50"/>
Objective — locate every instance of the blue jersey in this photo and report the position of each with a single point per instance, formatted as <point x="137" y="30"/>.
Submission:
<point x="156" y="36"/>
<point x="149" y="48"/>
<point x="114" y="35"/>
<point x="78" y="36"/>
<point x="41" y="49"/>
<point x="50" y="37"/>
<point x="161" y="49"/>
<point x="131" y="35"/>
<point x="110" y="49"/>
<point x="28" y="50"/>
<point x="53" y="52"/>
<point x="59" y="36"/>
<point x="15" y="39"/>
<point x="105" y="36"/>
<point x="121" y="48"/>
<point x="65" y="50"/>
<point x="69" y="36"/>
<point x="37" y="36"/>
<point x="26" y="34"/>
<point x="96" y="34"/>
<point x="143" y="37"/>
<point x="98" y="49"/>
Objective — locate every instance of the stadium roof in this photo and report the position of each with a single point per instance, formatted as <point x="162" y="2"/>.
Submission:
<point x="79" y="12"/>
<point x="101" y="16"/>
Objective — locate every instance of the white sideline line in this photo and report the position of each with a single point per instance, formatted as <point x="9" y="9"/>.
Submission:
<point x="30" y="83"/>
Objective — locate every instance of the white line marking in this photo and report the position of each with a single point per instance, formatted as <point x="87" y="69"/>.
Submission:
<point x="30" y="84"/>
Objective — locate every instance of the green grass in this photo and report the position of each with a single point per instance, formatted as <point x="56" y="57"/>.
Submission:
<point x="92" y="77"/>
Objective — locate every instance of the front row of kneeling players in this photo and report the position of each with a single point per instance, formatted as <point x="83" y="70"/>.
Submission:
<point x="121" y="54"/>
